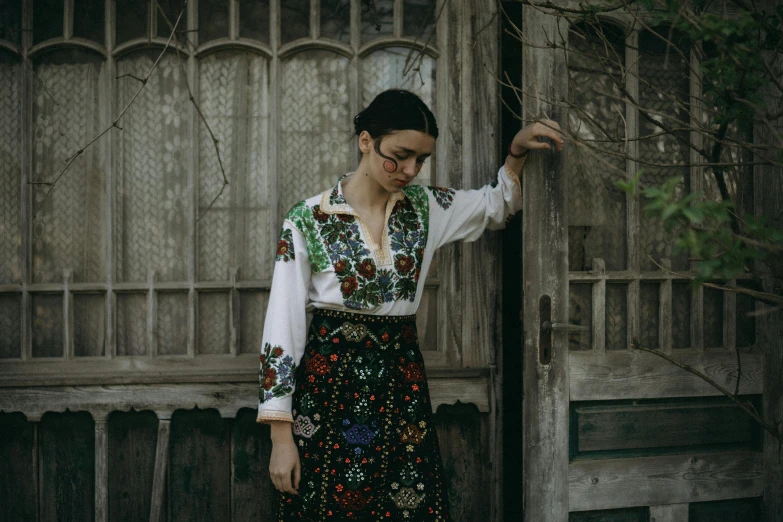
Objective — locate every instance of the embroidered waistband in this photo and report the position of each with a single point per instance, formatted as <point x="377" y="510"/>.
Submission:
<point x="364" y="318"/>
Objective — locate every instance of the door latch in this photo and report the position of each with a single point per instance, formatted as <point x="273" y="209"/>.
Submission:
<point x="547" y="328"/>
<point x="546" y="325"/>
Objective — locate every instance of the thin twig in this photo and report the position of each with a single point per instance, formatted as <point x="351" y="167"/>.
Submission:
<point x="768" y="427"/>
<point x="192" y="99"/>
<point x="764" y="297"/>
<point x="79" y="152"/>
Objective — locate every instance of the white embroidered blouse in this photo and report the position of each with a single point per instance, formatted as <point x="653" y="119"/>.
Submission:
<point x="327" y="258"/>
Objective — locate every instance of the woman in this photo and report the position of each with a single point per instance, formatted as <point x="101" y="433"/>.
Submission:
<point x="348" y="400"/>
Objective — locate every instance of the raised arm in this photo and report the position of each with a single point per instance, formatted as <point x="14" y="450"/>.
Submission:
<point x="465" y="214"/>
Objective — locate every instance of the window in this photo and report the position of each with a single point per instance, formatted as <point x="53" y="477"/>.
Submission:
<point x="139" y="257"/>
<point x="617" y="287"/>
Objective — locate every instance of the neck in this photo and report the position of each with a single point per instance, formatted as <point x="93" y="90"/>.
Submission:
<point x="363" y="192"/>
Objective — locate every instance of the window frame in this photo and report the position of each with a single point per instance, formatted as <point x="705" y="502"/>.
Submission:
<point x="27" y="370"/>
<point x="633" y="275"/>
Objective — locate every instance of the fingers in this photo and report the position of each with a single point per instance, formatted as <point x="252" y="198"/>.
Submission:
<point x="282" y="480"/>
<point x="287" y="487"/>
<point x="538" y="145"/>
<point x="544" y="128"/>
<point x="297" y="474"/>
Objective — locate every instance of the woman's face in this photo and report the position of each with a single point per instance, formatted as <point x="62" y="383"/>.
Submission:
<point x="409" y="148"/>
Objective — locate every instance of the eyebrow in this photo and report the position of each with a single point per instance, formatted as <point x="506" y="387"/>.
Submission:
<point x="409" y="151"/>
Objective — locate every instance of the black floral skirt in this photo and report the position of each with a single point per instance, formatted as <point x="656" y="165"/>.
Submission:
<point x="363" y="424"/>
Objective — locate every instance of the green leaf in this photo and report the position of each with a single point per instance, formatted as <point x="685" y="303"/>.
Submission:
<point x="668" y="211"/>
<point x="693" y="214"/>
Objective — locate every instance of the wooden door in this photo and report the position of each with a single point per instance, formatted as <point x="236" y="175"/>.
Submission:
<point x="610" y="432"/>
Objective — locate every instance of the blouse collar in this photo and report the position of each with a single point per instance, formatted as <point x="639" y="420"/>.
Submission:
<point x="333" y="201"/>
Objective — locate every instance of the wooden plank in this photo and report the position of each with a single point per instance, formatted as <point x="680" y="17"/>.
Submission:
<point x="545" y="273"/>
<point x="480" y="315"/>
<point x="768" y="188"/>
<point x="449" y="167"/>
<point x="169" y="369"/>
<point x="673" y="479"/>
<point x="199" y="476"/>
<point x="665" y="311"/>
<point x="669" y="513"/>
<point x="696" y="185"/>
<point x="255" y="496"/>
<point x="228" y="398"/>
<point x="152" y="314"/>
<point x="633" y="207"/>
<point x="160" y="475"/>
<point x="131" y="464"/>
<point x="17" y="460"/>
<point x="67" y="467"/>
<point x="730" y="317"/>
<point x="661" y="425"/>
<point x="463" y="440"/>
<point x="627" y="374"/>
<point x="27" y="207"/>
<point x="599" y="308"/>
<point x="67" y="314"/>
<point x="101" y="471"/>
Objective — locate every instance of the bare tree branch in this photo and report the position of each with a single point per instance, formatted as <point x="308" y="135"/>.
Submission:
<point x="81" y="150"/>
<point x="733" y="397"/>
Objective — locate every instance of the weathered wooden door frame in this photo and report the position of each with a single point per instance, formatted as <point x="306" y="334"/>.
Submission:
<point x="545" y="280"/>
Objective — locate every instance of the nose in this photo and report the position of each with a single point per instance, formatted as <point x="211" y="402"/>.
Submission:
<point x="410" y="169"/>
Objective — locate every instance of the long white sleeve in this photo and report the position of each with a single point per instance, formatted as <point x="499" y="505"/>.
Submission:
<point x="465" y="214"/>
<point x="285" y="335"/>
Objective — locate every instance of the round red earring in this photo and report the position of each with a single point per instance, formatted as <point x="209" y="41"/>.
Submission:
<point x="388" y="166"/>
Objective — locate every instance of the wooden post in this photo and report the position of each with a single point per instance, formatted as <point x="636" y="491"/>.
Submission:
<point x="101" y="468"/>
<point x="768" y="185"/>
<point x="161" y="468"/>
<point x="545" y="276"/>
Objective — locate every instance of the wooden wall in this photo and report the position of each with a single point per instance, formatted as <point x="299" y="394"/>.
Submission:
<point x="195" y="466"/>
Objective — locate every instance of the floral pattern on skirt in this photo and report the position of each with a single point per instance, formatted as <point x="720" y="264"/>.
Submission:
<point x="363" y="424"/>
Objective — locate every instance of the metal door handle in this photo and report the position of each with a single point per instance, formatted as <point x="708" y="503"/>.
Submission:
<point x="546" y="326"/>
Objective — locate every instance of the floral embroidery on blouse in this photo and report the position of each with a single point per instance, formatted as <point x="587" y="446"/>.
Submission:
<point x="301" y="215"/>
<point x="338" y="236"/>
<point x="276" y="373"/>
<point x="443" y="196"/>
<point x="364" y="285"/>
<point x="285" y="247"/>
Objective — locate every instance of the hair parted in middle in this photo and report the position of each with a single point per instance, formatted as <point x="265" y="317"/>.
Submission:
<point x="394" y="110"/>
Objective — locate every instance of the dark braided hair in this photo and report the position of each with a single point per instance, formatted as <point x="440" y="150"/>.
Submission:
<point x="394" y="110"/>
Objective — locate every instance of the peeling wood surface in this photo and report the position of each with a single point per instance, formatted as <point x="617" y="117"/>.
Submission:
<point x="131" y="442"/>
<point x="463" y="437"/>
<point x="101" y="471"/>
<point x="143" y="370"/>
<point x="545" y="272"/>
<point x="164" y="399"/>
<point x="199" y="467"/>
<point x="17" y="458"/>
<point x="196" y="466"/>
<point x="160" y="475"/>
<point x="768" y="183"/>
<point x="66" y="472"/>
<point x="640" y="375"/>
<point x="673" y="479"/>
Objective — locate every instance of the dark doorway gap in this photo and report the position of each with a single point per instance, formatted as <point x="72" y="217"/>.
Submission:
<point x="511" y="64"/>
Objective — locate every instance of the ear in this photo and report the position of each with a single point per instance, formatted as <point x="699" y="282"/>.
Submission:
<point x="365" y="142"/>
